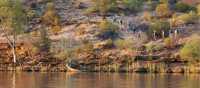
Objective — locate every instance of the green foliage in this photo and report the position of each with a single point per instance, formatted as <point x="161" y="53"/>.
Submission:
<point x="163" y="1"/>
<point x="133" y="5"/>
<point x="103" y="6"/>
<point x="109" y="43"/>
<point x="108" y="30"/>
<point x="183" y="7"/>
<point x="188" y="18"/>
<point x="50" y="17"/>
<point x="124" y="44"/>
<point x="44" y="42"/>
<point x="159" y="26"/>
<point x="191" y="50"/>
<point x="12" y="16"/>
<point x="152" y="46"/>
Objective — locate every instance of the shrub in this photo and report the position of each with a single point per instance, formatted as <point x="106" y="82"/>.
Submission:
<point x="198" y="9"/>
<point x="133" y="5"/>
<point x="31" y="14"/>
<point x="163" y="1"/>
<point x="168" y="42"/>
<point x="124" y="44"/>
<point x="103" y="6"/>
<point x="90" y="10"/>
<point x="191" y="50"/>
<point x="50" y="17"/>
<point x="108" y="30"/>
<point x="188" y="18"/>
<point x="162" y="10"/>
<point x="64" y="55"/>
<point x="183" y="7"/>
<point x="109" y="43"/>
<point x="152" y="46"/>
<point x="147" y="16"/>
<point x="174" y="22"/>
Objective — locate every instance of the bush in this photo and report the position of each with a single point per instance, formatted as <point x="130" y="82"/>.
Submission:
<point x="168" y="42"/>
<point x="152" y="46"/>
<point x="183" y="7"/>
<point x="163" y="1"/>
<point x="50" y="17"/>
<point x="188" y="18"/>
<point x="90" y="10"/>
<point x="162" y="10"/>
<point x="133" y="5"/>
<point x="191" y="50"/>
<point x="124" y="44"/>
<point x="103" y="6"/>
<point x="147" y="16"/>
<point x="198" y="10"/>
<point x="108" y="30"/>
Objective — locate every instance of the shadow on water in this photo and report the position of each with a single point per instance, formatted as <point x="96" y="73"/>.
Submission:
<point x="97" y="80"/>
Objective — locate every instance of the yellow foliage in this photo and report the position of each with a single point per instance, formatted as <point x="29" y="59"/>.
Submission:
<point x="191" y="49"/>
<point x="147" y="16"/>
<point x="162" y="10"/>
<point x="168" y="42"/>
<point x="198" y="9"/>
<point x="183" y="19"/>
<point x="50" y="17"/>
<point x="56" y="29"/>
<point x="35" y="33"/>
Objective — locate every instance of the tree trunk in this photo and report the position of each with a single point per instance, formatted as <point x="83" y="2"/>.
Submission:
<point x="163" y="34"/>
<point x="14" y="54"/>
<point x="154" y="35"/>
<point x="13" y="48"/>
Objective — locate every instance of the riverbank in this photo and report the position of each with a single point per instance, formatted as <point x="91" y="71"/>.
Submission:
<point x="136" y="67"/>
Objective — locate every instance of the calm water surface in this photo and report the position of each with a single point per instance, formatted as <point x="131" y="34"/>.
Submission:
<point x="97" y="80"/>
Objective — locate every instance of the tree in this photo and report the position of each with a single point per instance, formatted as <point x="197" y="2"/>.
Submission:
<point x="44" y="42"/>
<point x="159" y="28"/>
<point x="12" y="22"/>
<point x="191" y="50"/>
<point x="133" y="5"/>
<point x="50" y="18"/>
<point x="162" y="10"/>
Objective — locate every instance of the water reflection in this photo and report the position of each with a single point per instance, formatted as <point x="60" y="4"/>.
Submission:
<point x="97" y="80"/>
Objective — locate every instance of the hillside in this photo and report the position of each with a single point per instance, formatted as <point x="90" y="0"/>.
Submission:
<point x="111" y="35"/>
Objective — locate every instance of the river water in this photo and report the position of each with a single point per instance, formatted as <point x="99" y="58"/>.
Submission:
<point x="97" y="80"/>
